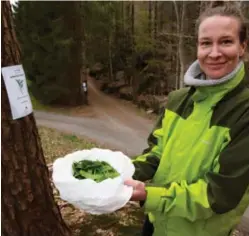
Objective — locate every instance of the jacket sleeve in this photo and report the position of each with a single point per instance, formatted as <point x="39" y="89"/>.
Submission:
<point x="220" y="191"/>
<point x="147" y="163"/>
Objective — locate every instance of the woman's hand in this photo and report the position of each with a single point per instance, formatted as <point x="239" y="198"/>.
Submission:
<point x="139" y="193"/>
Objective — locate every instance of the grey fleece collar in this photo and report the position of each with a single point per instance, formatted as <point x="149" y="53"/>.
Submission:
<point x="195" y="77"/>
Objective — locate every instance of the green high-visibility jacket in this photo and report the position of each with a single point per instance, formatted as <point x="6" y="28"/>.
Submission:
<point x="198" y="161"/>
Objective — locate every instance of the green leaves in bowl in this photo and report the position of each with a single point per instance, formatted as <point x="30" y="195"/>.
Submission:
<point x="95" y="170"/>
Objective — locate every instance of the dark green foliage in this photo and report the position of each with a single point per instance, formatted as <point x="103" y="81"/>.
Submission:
<point x="50" y="38"/>
<point x="95" y="170"/>
<point x="150" y="43"/>
<point x="108" y="40"/>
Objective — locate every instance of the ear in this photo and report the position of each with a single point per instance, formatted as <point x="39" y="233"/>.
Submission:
<point x="243" y="47"/>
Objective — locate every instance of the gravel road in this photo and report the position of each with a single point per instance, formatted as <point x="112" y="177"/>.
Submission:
<point x="109" y="122"/>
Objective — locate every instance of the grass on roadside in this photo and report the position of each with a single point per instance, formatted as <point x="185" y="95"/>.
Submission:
<point x="37" y="105"/>
<point x="81" y="110"/>
<point x="57" y="144"/>
<point x="124" y="222"/>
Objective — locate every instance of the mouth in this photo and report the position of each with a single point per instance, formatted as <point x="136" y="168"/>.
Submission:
<point x="216" y="65"/>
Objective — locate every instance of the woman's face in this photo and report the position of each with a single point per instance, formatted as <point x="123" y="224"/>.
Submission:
<point x="219" y="47"/>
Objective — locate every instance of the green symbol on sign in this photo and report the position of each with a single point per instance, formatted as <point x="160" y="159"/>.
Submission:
<point x="20" y="84"/>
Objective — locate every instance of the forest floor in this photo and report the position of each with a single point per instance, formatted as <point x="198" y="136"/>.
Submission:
<point x="124" y="222"/>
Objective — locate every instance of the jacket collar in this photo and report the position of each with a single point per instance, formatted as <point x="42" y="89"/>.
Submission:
<point x="195" y="76"/>
<point x="214" y="90"/>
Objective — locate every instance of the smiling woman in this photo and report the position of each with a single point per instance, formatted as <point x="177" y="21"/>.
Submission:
<point x="220" y="44"/>
<point x="197" y="161"/>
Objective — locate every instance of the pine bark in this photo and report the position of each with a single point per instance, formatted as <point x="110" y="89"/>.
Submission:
<point x="28" y="206"/>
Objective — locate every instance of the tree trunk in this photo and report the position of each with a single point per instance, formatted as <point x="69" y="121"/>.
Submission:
<point x="203" y="5"/>
<point x="84" y="74"/>
<point x="127" y="15"/>
<point x="155" y="19"/>
<point x="28" y="206"/>
<point x="73" y="17"/>
<point x="110" y="57"/>
<point x="155" y="27"/>
<point x="132" y="26"/>
<point x="177" y="51"/>
<point x="180" y="20"/>
<point x="181" y="44"/>
<point x="161" y="15"/>
<point x="122" y="16"/>
<point x="150" y="19"/>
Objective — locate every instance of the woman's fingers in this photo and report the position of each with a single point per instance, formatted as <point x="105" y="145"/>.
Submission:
<point x="134" y="183"/>
<point x="139" y="192"/>
<point x="129" y="182"/>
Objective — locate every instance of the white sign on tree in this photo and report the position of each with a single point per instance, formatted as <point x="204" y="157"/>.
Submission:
<point x="17" y="90"/>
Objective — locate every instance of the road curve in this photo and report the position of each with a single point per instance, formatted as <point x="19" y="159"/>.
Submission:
<point x="112" y="123"/>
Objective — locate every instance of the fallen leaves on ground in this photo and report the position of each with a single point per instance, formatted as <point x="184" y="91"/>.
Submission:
<point x="124" y="222"/>
<point x="57" y="144"/>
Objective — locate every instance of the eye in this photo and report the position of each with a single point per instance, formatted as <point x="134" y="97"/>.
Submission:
<point x="227" y="42"/>
<point x="205" y="43"/>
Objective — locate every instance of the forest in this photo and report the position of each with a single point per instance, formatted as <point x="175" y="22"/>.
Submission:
<point x="138" y="51"/>
<point x="135" y="52"/>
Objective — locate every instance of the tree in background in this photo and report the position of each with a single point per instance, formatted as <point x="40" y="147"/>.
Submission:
<point x="28" y="206"/>
<point x="139" y="50"/>
<point x="50" y="35"/>
<point x="108" y="36"/>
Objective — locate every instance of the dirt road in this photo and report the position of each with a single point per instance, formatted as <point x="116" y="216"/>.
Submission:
<point x="108" y="121"/>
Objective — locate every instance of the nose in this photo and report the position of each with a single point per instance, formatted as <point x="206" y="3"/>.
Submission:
<point x="214" y="52"/>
